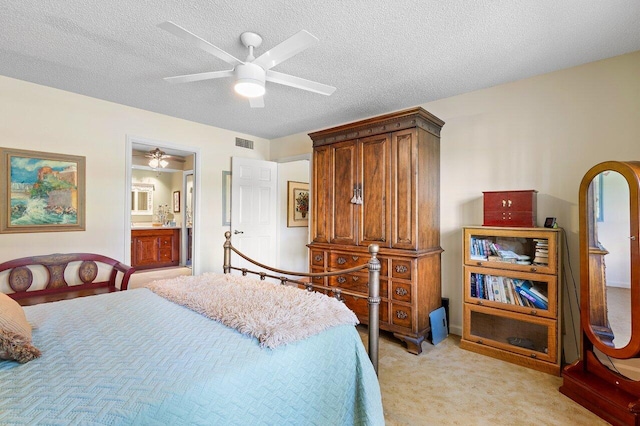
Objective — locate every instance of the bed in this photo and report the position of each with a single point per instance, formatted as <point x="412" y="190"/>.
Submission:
<point x="137" y="357"/>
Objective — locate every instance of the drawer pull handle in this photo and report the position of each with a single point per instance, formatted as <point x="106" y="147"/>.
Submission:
<point x="355" y="258"/>
<point x="504" y="203"/>
<point x="401" y="291"/>
<point x="355" y="279"/>
<point x="480" y="341"/>
<point x="479" y="263"/>
<point x="342" y="261"/>
<point x="401" y="315"/>
<point x="534" y="269"/>
<point x="534" y="312"/>
<point x="480" y="302"/>
<point x="509" y="203"/>
<point x="534" y="356"/>
<point x="318" y="258"/>
<point x="342" y="280"/>
<point x="401" y="269"/>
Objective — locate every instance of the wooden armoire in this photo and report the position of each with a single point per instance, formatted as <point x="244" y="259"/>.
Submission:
<point x="377" y="181"/>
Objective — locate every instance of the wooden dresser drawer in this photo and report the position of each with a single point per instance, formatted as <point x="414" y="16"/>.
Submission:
<point x="317" y="258"/>
<point x="356" y="282"/>
<point x="360" y="307"/>
<point x="401" y="291"/>
<point x="318" y="280"/>
<point x="401" y="269"/>
<point x="401" y="315"/>
<point x="348" y="260"/>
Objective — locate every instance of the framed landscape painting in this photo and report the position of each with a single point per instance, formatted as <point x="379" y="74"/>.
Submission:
<point x="297" y="204"/>
<point x="41" y="191"/>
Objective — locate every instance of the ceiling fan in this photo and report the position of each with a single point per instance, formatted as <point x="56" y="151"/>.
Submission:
<point x="158" y="158"/>
<point x="252" y="73"/>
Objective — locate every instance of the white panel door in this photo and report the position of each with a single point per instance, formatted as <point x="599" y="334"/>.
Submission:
<point x="254" y="198"/>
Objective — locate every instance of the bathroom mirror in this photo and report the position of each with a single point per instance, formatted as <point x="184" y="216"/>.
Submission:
<point x="142" y="198"/>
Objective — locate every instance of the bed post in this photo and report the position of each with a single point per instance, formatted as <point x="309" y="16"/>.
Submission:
<point x="227" y="253"/>
<point x="374" y="305"/>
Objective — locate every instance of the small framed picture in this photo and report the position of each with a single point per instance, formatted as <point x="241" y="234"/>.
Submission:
<point x="550" y="222"/>
<point x="176" y="201"/>
<point x="297" y="204"/>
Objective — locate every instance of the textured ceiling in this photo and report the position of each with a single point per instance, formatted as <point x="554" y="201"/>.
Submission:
<point x="381" y="55"/>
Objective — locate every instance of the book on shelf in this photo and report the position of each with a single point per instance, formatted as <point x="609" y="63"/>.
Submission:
<point x="498" y="290"/>
<point x="508" y="290"/>
<point x="539" y="294"/>
<point x="474" y="285"/>
<point x="541" y="251"/>
<point x="524" y="288"/>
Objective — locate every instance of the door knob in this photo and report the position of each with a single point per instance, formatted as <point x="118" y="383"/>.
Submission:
<point x="238" y="232"/>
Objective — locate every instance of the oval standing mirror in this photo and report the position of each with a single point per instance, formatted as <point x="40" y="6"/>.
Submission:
<point x="609" y="259"/>
<point x="606" y="378"/>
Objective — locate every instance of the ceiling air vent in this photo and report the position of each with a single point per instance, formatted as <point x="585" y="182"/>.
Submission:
<point x="244" y="143"/>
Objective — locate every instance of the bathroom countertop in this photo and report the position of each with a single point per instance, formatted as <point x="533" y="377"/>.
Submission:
<point x="145" y="227"/>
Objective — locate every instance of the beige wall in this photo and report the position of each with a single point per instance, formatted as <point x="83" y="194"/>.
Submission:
<point x="290" y="146"/>
<point x="40" y="118"/>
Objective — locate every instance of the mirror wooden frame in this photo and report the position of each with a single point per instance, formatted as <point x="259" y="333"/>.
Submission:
<point x="587" y="381"/>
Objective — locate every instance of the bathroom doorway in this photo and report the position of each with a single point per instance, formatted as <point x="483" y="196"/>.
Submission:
<point x="171" y="205"/>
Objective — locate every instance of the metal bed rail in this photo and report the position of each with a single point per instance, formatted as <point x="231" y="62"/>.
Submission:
<point x="373" y="300"/>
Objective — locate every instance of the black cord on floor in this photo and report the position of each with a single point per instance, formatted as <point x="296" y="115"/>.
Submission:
<point x="575" y="290"/>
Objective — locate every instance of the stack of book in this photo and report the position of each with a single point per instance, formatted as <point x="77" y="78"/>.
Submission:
<point x="508" y="290"/>
<point x="542" y="252"/>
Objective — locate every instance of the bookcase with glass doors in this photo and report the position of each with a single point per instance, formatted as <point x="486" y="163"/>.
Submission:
<point x="512" y="295"/>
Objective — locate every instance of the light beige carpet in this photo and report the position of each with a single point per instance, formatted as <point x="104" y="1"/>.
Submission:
<point x="446" y="385"/>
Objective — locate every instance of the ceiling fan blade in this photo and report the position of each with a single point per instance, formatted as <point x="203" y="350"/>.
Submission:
<point x="197" y="41"/>
<point x="299" y="83"/>
<point x="288" y="48"/>
<point x="257" y="102"/>
<point x="200" y="76"/>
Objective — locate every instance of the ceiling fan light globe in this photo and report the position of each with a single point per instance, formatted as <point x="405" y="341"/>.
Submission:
<point x="249" y="88"/>
<point x="164" y="163"/>
<point x="153" y="163"/>
<point x="249" y="80"/>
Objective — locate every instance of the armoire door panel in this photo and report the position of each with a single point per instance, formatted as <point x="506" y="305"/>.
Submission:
<point x="404" y="165"/>
<point x="343" y="210"/>
<point x="322" y="192"/>
<point x="374" y="172"/>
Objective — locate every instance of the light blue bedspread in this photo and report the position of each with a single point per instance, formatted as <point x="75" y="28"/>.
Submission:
<point x="133" y="357"/>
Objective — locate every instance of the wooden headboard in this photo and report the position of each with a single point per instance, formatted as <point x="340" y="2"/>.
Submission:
<point x="47" y="278"/>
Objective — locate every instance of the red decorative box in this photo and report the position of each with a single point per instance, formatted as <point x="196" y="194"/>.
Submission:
<point x="510" y="208"/>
